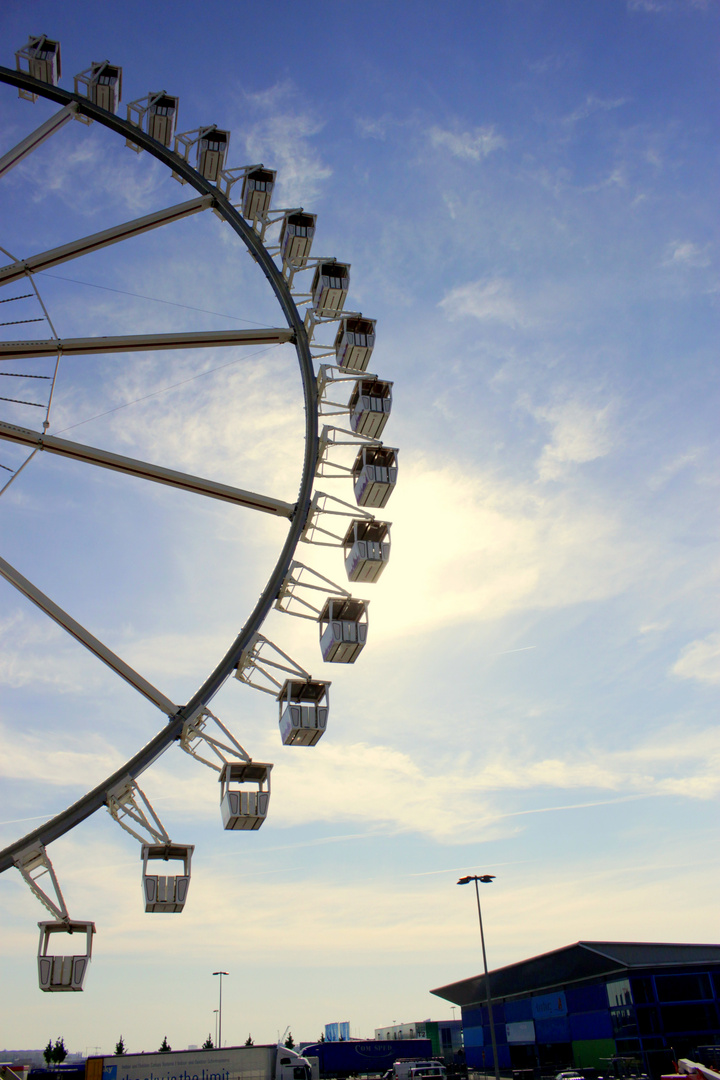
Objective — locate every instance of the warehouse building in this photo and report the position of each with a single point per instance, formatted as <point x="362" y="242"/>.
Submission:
<point x="445" y="1035"/>
<point x="595" y="1004"/>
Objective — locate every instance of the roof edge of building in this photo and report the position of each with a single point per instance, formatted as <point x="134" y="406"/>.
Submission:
<point x="505" y="967"/>
<point x="601" y="949"/>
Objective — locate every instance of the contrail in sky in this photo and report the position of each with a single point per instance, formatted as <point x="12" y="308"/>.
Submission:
<point x="524" y="649"/>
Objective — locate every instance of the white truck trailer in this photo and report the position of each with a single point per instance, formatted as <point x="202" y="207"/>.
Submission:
<point x="231" y="1063"/>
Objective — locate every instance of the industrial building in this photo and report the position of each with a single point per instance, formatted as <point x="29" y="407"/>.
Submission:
<point x="445" y="1035"/>
<point x="594" y="1004"/>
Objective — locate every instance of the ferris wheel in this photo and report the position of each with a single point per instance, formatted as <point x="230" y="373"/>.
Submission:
<point x="346" y="409"/>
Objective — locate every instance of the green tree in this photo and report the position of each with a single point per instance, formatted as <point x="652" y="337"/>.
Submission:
<point x="166" y="1047"/>
<point x="120" y="1047"/>
<point x="322" y="1037"/>
<point x="48" y="1052"/>
<point x="59" y="1053"/>
<point x="290" y="1042"/>
<point x="249" y="1041"/>
<point x="208" y="1044"/>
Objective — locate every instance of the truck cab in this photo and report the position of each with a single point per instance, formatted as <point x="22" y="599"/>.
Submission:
<point x="291" y="1066"/>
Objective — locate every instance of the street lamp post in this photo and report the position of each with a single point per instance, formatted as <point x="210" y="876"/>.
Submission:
<point x="485" y="879"/>
<point x="219" y="1038"/>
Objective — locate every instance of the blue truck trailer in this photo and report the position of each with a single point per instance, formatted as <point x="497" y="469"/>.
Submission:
<point x="358" y="1057"/>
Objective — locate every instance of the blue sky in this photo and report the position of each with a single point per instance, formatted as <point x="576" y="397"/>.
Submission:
<point x="527" y="193"/>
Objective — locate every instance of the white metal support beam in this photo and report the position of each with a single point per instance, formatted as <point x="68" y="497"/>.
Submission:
<point x="299" y="577"/>
<point x="21" y="350"/>
<point x="144" y="469"/>
<point x="85" y="638"/>
<point x="126" y="803"/>
<point x="332" y="437"/>
<point x="35" y="138"/>
<point x="37" y="263"/>
<point x="194" y="736"/>
<point x="256" y="661"/>
<point x="33" y="863"/>
<point x="320" y="508"/>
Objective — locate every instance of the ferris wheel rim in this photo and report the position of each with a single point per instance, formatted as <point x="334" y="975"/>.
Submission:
<point x="96" y="798"/>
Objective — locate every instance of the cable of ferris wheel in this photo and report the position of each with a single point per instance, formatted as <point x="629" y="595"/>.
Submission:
<point x="155" y="299"/>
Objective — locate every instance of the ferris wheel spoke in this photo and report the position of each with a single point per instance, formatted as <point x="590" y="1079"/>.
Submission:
<point x="145" y="470"/>
<point x="90" y="346"/>
<point x="86" y="244"/>
<point x="36" y="138"/>
<point x="76" y="630"/>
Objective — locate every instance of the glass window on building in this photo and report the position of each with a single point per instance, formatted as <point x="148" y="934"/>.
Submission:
<point x="623" y="1022"/>
<point x="619" y="993"/>
<point x="654" y="1042"/>
<point x="696" y="1018"/>
<point x="629" y="1050"/>
<point x="684" y="987"/>
<point x="648" y="1020"/>
<point x="643" y="991"/>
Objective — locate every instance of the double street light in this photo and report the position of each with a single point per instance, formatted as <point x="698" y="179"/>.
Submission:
<point x="486" y="879"/>
<point x="219" y="1038"/>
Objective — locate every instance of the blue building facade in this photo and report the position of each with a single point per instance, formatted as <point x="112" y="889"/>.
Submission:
<point x="593" y="1005"/>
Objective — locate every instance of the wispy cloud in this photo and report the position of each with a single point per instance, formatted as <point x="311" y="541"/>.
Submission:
<point x="551" y="62"/>
<point x="580" y="433"/>
<point x="653" y="627"/>
<point x="392" y="792"/>
<point x="116" y="172"/>
<point x="485" y="299"/>
<point x="33" y="757"/>
<point x="473" y="145"/>
<point x="281" y="137"/>
<point x="671" y="468"/>
<point x="243" y="423"/>
<point x="686" y="253"/>
<point x="700" y="660"/>
<point x="503" y="547"/>
<point x="377" y="127"/>
<point x="525" y="648"/>
<point x="36" y="652"/>
<point x="593" y="104"/>
<point x="664" y="6"/>
<point x="650" y="5"/>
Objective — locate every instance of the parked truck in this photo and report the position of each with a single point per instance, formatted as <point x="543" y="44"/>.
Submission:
<point x="361" y="1057"/>
<point x="230" y="1063"/>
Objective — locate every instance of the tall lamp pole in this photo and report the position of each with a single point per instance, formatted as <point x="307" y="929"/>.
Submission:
<point x="219" y="1040"/>
<point x="486" y="879"/>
